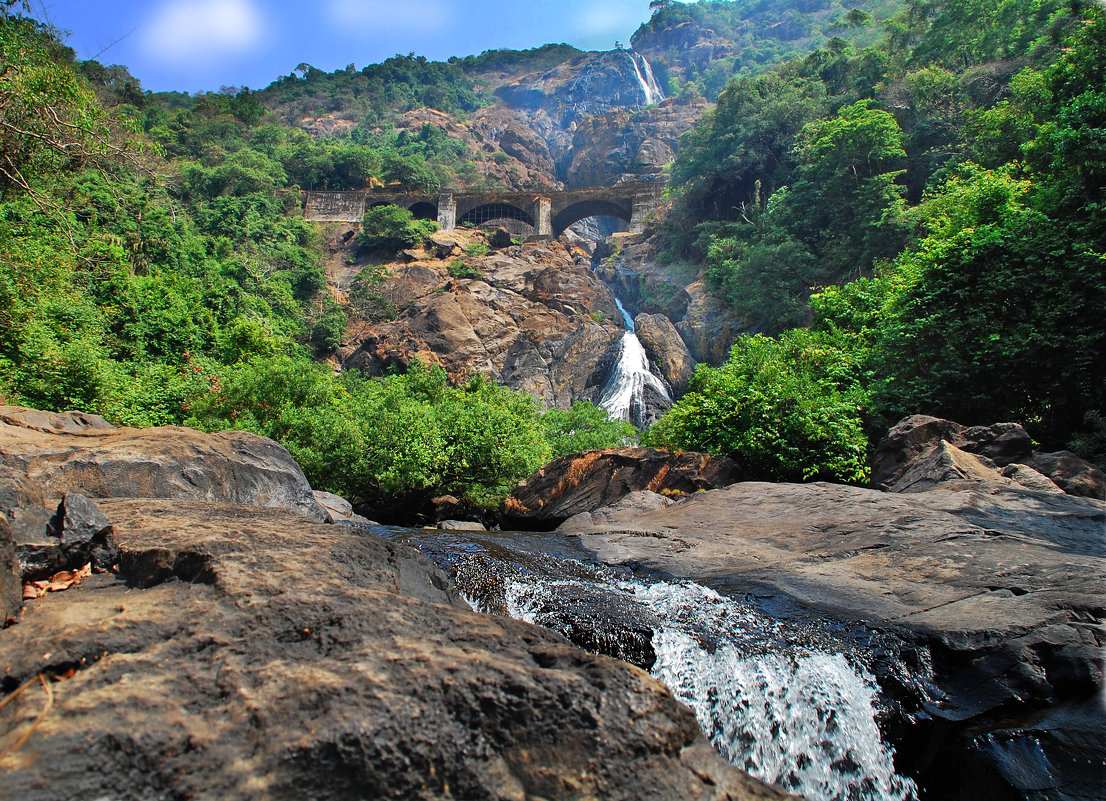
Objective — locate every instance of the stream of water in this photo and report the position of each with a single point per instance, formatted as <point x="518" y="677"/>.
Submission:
<point x="624" y="396"/>
<point x="644" y="71"/>
<point x="779" y="697"/>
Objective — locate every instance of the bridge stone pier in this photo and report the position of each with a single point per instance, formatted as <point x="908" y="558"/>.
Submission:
<point x="547" y="214"/>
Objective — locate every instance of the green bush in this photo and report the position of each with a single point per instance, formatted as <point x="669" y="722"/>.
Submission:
<point x="785" y="409"/>
<point x="584" y="427"/>
<point x="386" y="229"/>
<point x="462" y="269"/>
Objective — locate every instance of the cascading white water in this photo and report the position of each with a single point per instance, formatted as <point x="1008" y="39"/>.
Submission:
<point x="644" y="71"/>
<point x="624" y="396"/>
<point x="792" y="715"/>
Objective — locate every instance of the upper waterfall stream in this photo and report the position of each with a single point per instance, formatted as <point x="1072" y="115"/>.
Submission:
<point x="645" y="77"/>
<point x="778" y="696"/>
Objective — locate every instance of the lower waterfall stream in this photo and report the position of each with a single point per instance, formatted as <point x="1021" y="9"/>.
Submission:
<point x="624" y="396"/>
<point x="781" y="696"/>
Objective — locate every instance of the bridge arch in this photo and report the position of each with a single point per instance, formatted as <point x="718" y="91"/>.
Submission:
<point x="495" y="211"/>
<point x="424" y="210"/>
<point x="592" y="207"/>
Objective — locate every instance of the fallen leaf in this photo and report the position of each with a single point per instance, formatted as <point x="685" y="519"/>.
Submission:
<point x="29" y="591"/>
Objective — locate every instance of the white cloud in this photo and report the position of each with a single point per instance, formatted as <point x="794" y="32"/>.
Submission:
<point x="186" y="30"/>
<point x="393" y="16"/>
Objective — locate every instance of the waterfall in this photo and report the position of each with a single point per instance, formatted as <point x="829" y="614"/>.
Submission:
<point x="796" y="716"/>
<point x="624" y="396"/>
<point x="644" y="71"/>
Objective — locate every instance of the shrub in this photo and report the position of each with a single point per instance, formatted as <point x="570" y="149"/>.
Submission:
<point x="387" y="229"/>
<point x="786" y="409"/>
<point x="461" y="269"/>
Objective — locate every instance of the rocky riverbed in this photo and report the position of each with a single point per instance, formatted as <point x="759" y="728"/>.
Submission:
<point x="991" y="578"/>
<point x="231" y="646"/>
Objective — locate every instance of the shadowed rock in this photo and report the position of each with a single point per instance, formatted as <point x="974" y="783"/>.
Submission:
<point x="583" y="482"/>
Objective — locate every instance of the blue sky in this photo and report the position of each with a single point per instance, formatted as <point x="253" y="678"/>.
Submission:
<point x="202" y="45"/>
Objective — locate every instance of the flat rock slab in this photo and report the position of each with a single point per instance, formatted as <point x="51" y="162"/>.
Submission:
<point x="874" y="555"/>
<point x="248" y="653"/>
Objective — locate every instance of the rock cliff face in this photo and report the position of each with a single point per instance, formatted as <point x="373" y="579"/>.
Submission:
<point x="537" y="319"/>
<point x="596" y="120"/>
<point x="243" y="651"/>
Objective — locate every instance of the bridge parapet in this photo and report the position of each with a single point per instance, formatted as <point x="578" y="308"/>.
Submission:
<point x="547" y="213"/>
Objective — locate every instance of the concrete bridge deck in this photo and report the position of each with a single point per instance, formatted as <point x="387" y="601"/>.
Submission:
<point x="547" y="213"/>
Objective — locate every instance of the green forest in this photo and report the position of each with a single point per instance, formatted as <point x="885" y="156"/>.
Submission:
<point x="913" y="227"/>
<point x="909" y="219"/>
<point x="155" y="269"/>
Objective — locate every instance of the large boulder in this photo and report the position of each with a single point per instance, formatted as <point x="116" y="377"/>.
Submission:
<point x="995" y="590"/>
<point x="666" y="349"/>
<point x="921" y="451"/>
<point x="244" y="652"/>
<point x="919" y="435"/>
<point x="1072" y="474"/>
<point x="168" y="462"/>
<point x="583" y="482"/>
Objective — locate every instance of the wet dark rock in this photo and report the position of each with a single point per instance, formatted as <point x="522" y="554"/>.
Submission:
<point x="996" y="589"/>
<point x="242" y="650"/>
<point x="587" y="481"/>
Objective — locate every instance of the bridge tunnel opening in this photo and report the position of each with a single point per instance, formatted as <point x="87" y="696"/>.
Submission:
<point x="594" y="219"/>
<point x="597" y="228"/>
<point x="510" y="217"/>
<point x="424" y="210"/>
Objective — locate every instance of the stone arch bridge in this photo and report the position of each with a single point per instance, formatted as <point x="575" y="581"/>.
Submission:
<point x="547" y="213"/>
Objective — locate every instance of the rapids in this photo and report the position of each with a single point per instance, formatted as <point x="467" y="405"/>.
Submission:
<point x="777" y="694"/>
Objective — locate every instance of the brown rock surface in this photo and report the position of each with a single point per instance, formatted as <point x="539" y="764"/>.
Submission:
<point x="169" y="462"/>
<point x="250" y="653"/>
<point x="63" y="422"/>
<point x="11" y="581"/>
<point x="1072" y="474"/>
<point x="584" y="482"/>
<point x="666" y="349"/>
<point x="918" y="435"/>
<point x="527" y="322"/>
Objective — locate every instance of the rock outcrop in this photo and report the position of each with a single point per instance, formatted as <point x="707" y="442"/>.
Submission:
<point x="921" y="451"/>
<point x="666" y="349"/>
<point x="244" y="651"/>
<point x="537" y="319"/>
<point x="170" y="462"/>
<point x="995" y="589"/>
<point x="582" y="482"/>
